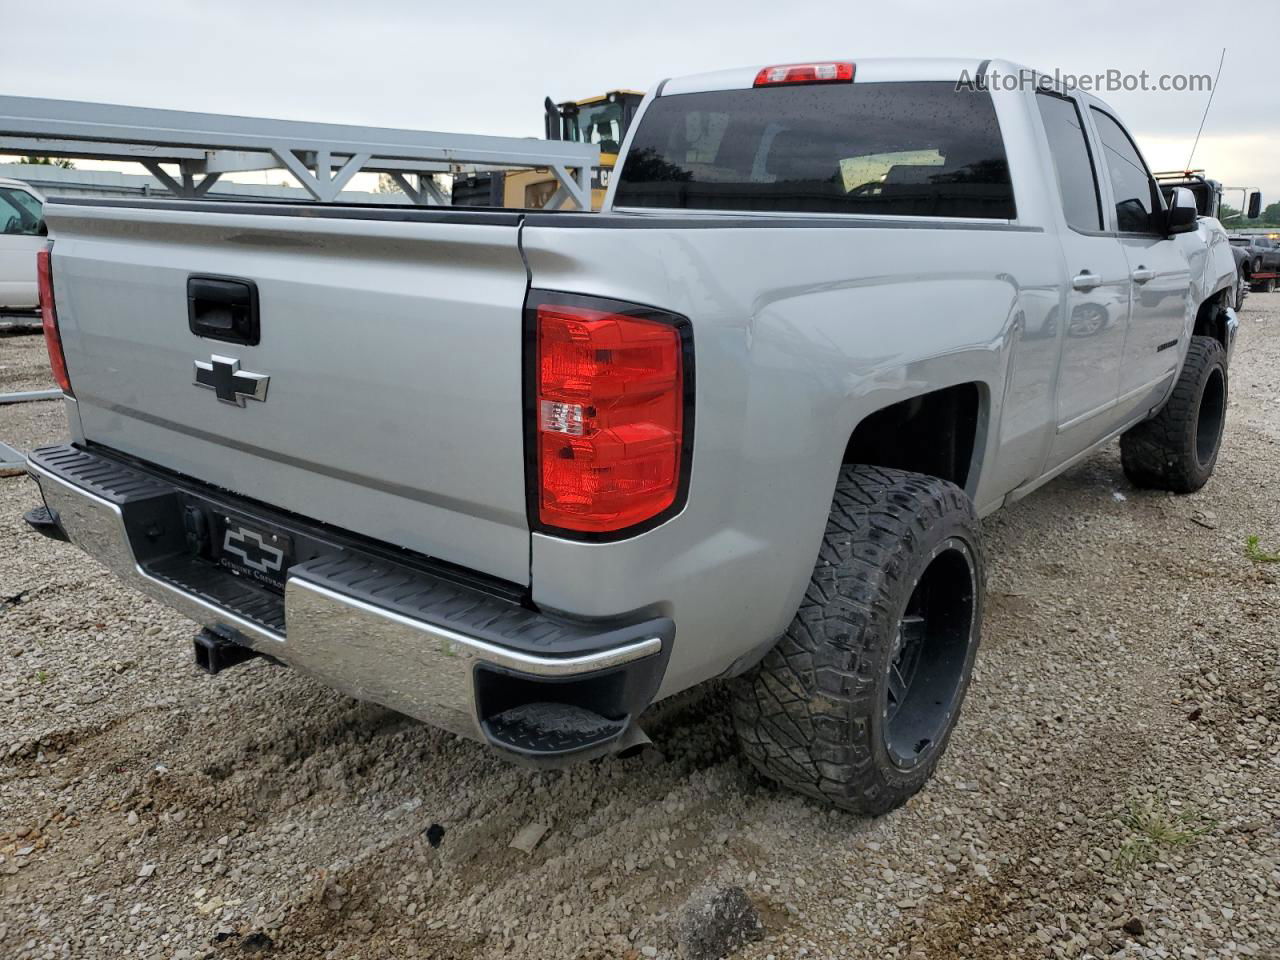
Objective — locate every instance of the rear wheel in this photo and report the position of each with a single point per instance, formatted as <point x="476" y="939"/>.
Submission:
<point x="1177" y="449"/>
<point x="856" y="702"/>
<point x="1239" y="295"/>
<point x="1269" y="285"/>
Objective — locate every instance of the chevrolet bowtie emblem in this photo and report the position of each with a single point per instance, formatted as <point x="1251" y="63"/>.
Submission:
<point x="224" y="377"/>
<point x="254" y="552"/>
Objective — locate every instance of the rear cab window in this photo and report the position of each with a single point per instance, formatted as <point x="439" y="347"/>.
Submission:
<point x="885" y="149"/>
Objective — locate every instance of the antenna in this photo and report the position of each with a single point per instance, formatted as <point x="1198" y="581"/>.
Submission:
<point x="1206" y="107"/>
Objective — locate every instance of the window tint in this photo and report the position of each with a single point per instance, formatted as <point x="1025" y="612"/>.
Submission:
<point x="1077" y="181"/>
<point x="20" y="212"/>
<point x="920" y="149"/>
<point x="1130" y="182"/>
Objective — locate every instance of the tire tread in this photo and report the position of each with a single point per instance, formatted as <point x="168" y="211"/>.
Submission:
<point x="803" y="715"/>
<point x="1159" y="453"/>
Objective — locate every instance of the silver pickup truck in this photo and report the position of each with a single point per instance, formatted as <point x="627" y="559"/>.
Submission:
<point x="521" y="474"/>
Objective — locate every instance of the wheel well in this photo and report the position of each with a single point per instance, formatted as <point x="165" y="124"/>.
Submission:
<point x="1210" y="321"/>
<point x="933" y="434"/>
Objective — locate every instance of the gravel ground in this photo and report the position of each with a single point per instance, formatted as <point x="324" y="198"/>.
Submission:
<point x="1113" y="788"/>
<point x="24" y="365"/>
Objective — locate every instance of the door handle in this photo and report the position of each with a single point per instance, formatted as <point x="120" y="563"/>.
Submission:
<point x="1142" y="275"/>
<point x="1084" y="280"/>
<point x="223" y="308"/>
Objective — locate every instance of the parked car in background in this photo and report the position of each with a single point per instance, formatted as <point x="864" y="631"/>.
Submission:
<point x="1262" y="261"/>
<point x="520" y="474"/>
<point x="22" y="233"/>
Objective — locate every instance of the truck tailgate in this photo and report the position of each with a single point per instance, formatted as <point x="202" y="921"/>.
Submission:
<point x="392" y="342"/>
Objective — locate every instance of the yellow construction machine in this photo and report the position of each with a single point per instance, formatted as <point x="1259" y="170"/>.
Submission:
<point x="601" y="120"/>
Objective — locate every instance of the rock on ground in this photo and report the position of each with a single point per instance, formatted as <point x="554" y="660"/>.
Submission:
<point x="715" y="922"/>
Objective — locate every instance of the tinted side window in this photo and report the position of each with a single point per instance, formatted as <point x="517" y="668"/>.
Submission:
<point x="1130" y="181"/>
<point x="19" y="212"/>
<point x="10" y="221"/>
<point x="1077" y="180"/>
<point x="917" y="149"/>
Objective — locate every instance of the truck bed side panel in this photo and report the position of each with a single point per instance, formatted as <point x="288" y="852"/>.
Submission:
<point x="800" y="330"/>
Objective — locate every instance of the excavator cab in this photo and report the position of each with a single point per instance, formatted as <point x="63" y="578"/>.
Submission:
<point x="602" y="120"/>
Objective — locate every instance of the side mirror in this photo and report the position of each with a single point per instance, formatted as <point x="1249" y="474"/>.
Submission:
<point x="1255" y="204"/>
<point x="1181" y="217"/>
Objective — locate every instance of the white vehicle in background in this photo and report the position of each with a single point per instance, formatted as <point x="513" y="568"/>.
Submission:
<point x="22" y="234"/>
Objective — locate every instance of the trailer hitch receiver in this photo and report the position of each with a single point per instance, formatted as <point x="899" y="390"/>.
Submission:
<point x="216" y="651"/>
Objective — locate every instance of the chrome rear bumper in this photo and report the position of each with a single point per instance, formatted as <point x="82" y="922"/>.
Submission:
<point x="360" y="645"/>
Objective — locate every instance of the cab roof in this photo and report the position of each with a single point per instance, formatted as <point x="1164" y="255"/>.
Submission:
<point x="587" y="101"/>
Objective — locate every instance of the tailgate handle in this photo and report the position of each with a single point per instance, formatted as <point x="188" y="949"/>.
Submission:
<point x="223" y="308"/>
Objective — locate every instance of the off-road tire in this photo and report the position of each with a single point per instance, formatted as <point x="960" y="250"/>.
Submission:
<point x="1238" y="298"/>
<point x="1177" y="448"/>
<point x="812" y="714"/>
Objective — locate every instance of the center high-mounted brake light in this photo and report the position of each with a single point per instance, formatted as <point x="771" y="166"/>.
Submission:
<point x="49" y="319"/>
<point x="612" y="417"/>
<point x="791" y="73"/>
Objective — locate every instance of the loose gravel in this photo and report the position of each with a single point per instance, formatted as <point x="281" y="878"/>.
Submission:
<point x="24" y="366"/>
<point x="1113" y="789"/>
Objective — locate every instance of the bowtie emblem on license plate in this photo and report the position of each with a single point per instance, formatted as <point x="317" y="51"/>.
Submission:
<point x="260" y="555"/>
<point x="252" y="550"/>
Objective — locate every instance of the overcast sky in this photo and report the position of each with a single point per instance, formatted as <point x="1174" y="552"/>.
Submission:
<point x="484" y="67"/>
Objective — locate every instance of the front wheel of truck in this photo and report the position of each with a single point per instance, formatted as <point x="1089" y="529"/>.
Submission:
<point x="1177" y="448"/>
<point x="855" y="703"/>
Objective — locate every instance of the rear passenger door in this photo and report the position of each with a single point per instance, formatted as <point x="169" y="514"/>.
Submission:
<point x="1094" y="309"/>
<point x="1161" y="306"/>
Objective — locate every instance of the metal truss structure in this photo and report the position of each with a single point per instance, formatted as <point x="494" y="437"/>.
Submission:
<point x="322" y="157"/>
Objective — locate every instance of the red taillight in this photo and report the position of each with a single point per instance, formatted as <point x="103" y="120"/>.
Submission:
<point x="49" y="318"/>
<point x="610" y="416"/>
<point x="805" y="73"/>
